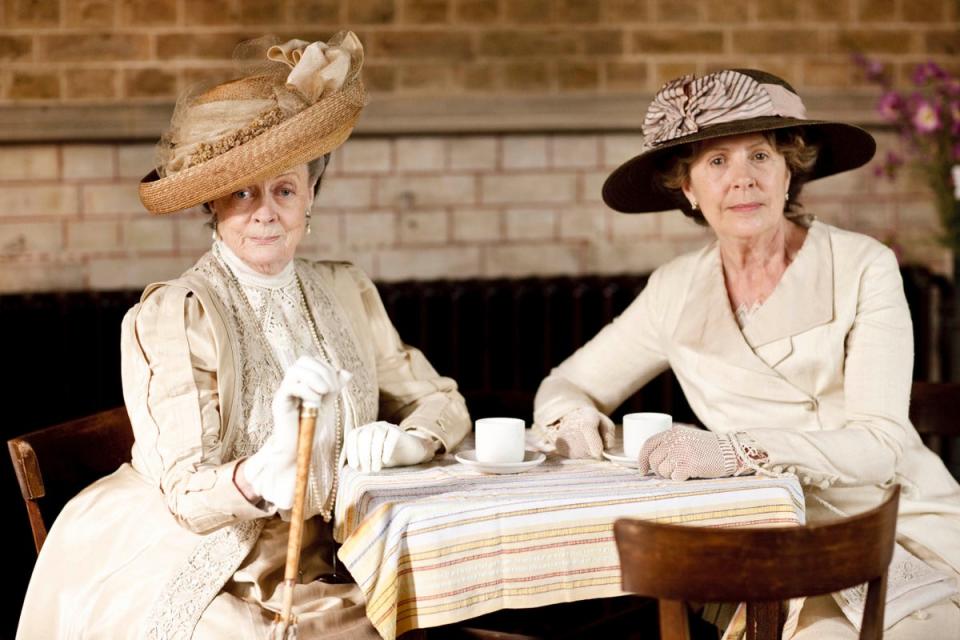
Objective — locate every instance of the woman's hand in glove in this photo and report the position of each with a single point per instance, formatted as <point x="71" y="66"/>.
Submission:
<point x="381" y="444"/>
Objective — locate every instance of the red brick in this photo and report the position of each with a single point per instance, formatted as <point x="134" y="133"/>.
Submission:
<point x="828" y="10"/>
<point x="89" y="13"/>
<point x="945" y="42"/>
<point x="868" y="41"/>
<point x="877" y="10"/>
<point x="15" y="48"/>
<point x="624" y="10"/>
<point x="510" y="43"/>
<point x="626" y="76"/>
<point x="737" y="11"/>
<point x="827" y="74"/>
<point x="93" y="47"/>
<point x="924" y="10"/>
<point x="211" y="12"/>
<point x="528" y="77"/>
<point x="778" y="10"/>
<point x="313" y="11"/>
<point x="423" y="77"/>
<point x="261" y="12"/>
<point x="36" y="13"/>
<point x="776" y="41"/>
<point x="677" y="41"/>
<point x="371" y="11"/>
<point x="605" y="42"/>
<point x="26" y="85"/>
<point x="668" y="71"/>
<point x="149" y="83"/>
<point x="421" y="44"/>
<point x="206" y="46"/>
<point x="90" y="84"/>
<point x="478" y="77"/>
<point x="528" y="11"/>
<point x="380" y="77"/>
<point x="148" y="12"/>
<point x="426" y="11"/>
<point x="207" y="76"/>
<point x="578" y="76"/>
<point x="477" y="11"/>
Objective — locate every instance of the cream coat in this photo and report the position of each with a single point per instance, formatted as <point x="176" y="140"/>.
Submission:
<point x="820" y="377"/>
<point x="117" y="547"/>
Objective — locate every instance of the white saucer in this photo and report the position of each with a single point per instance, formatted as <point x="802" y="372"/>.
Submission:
<point x="618" y="457"/>
<point x="530" y="460"/>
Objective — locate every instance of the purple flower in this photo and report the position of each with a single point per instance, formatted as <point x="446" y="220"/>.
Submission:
<point x="955" y="118"/>
<point x="888" y="166"/>
<point x="890" y="106"/>
<point x="928" y="71"/>
<point x="872" y="69"/>
<point x="950" y="87"/>
<point x="926" y="116"/>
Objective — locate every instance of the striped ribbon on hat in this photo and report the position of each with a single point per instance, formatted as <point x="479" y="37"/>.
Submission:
<point x="687" y="104"/>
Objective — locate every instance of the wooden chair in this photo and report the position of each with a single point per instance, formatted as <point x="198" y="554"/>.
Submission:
<point x="935" y="412"/>
<point x="55" y="463"/>
<point x="761" y="566"/>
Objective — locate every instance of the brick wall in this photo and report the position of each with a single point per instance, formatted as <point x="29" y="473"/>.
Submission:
<point x="74" y="51"/>
<point x="401" y="207"/>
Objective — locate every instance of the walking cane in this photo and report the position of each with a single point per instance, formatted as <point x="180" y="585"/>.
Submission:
<point x="286" y="626"/>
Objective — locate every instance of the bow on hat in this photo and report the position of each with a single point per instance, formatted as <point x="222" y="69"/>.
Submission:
<point x="317" y="68"/>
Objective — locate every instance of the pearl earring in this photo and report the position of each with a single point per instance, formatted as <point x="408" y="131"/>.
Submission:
<point x="694" y="205"/>
<point x="307" y="214"/>
<point x="213" y="232"/>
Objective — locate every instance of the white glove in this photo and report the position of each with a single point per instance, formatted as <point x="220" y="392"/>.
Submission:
<point x="582" y="433"/>
<point x="272" y="471"/>
<point x="381" y="444"/>
<point x="683" y="452"/>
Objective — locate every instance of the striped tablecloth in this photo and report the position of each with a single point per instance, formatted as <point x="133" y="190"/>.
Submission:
<point x="439" y="543"/>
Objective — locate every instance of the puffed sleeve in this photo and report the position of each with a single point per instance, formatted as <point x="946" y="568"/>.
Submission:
<point x="412" y="394"/>
<point x="878" y="368"/>
<point x="175" y="339"/>
<point x="621" y="358"/>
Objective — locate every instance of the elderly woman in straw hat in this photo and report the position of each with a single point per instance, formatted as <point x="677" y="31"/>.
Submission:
<point x="791" y="338"/>
<point x="190" y="539"/>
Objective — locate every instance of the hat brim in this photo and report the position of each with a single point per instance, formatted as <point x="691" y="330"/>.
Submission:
<point x="634" y="188"/>
<point x="316" y="130"/>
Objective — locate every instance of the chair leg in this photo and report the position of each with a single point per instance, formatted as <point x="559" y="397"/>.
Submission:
<point x="764" y="620"/>
<point x="871" y="627"/>
<point x="673" y="620"/>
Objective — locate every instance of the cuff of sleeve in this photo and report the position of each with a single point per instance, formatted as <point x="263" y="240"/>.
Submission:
<point x="230" y="499"/>
<point x="448" y="428"/>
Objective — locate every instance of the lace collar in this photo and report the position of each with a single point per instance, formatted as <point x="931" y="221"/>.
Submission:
<point x="247" y="276"/>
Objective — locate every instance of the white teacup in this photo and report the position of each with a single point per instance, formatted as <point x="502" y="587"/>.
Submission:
<point x="637" y="427"/>
<point x="499" y="439"/>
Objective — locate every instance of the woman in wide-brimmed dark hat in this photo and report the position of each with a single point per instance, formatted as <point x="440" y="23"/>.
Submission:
<point x="190" y="539"/>
<point x="791" y="338"/>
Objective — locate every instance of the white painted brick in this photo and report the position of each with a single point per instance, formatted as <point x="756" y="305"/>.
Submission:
<point x="529" y="188"/>
<point x="421" y="154"/>
<point x="88" y="161"/>
<point x="120" y="197"/>
<point x="629" y="257"/>
<point x="476" y="225"/>
<point x="592" y="186"/>
<point x="325" y="231"/>
<point x="575" y="151"/>
<point x="583" y="223"/>
<point x="93" y="235"/>
<point x="135" y="272"/>
<point x="531" y="224"/>
<point x="426" y="264"/>
<point x="366" y="231"/>
<point x="620" y="147"/>
<point x="192" y="233"/>
<point x="346" y="192"/>
<point x="878" y="218"/>
<point x="524" y="152"/>
<point x="27" y="238"/>
<point x="520" y="260"/>
<point x="427" y="191"/>
<point x="19" y="200"/>
<point x="29" y="162"/>
<point x="365" y="260"/>
<point x="136" y="160"/>
<point x="473" y="152"/>
<point x="53" y="276"/>
<point x="423" y="227"/>
<point x="636" y="225"/>
<point x="151" y="234"/>
<point x="365" y="156"/>
<point x="914" y="214"/>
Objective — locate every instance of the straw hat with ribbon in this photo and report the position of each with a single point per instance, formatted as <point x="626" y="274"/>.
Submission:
<point x="297" y="101"/>
<point x="725" y="103"/>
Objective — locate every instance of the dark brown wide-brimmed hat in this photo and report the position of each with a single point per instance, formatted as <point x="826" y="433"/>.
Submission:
<point x="299" y="101"/>
<point x="725" y="103"/>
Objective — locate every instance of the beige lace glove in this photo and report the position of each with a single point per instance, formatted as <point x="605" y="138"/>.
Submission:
<point x="582" y="433"/>
<point x="682" y="453"/>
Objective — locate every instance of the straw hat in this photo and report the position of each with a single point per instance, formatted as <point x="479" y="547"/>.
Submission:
<point x="729" y="102"/>
<point x="298" y="101"/>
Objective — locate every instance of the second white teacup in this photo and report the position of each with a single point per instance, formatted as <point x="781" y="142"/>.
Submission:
<point x="499" y="439"/>
<point x="637" y="427"/>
